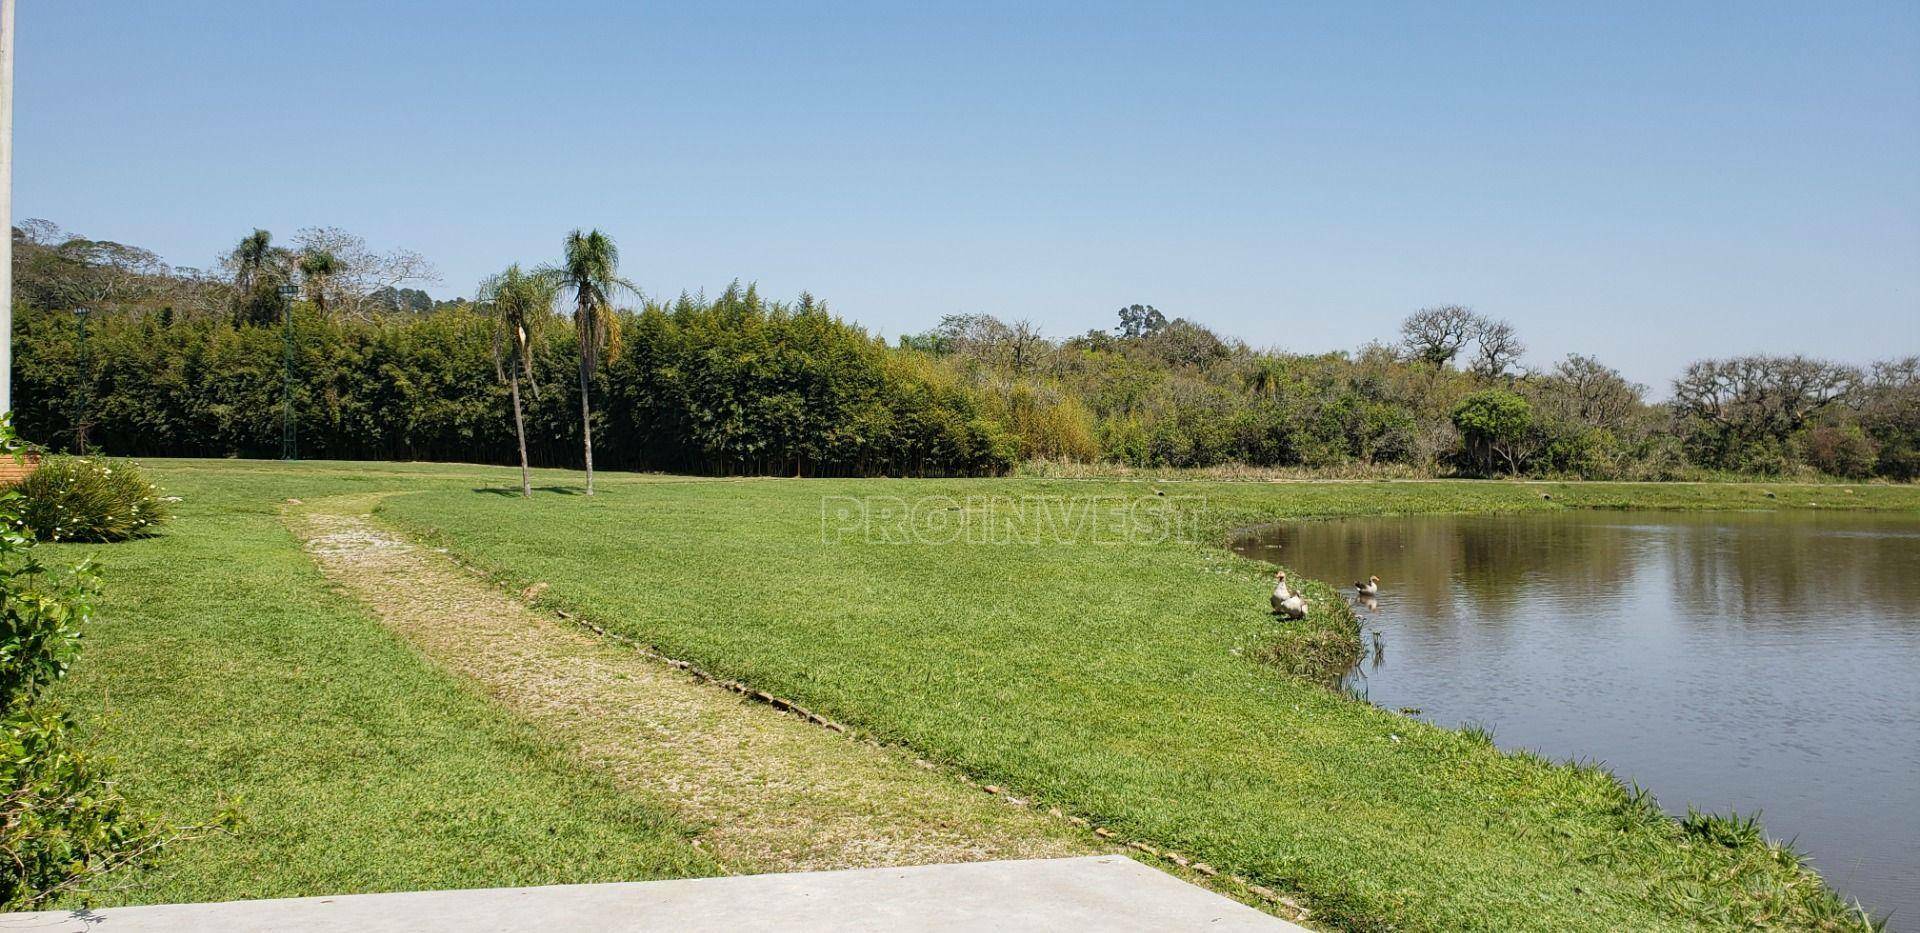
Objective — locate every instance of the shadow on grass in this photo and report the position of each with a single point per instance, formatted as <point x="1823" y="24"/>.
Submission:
<point x="514" y="491"/>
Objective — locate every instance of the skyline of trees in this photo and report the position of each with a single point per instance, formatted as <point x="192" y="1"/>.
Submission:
<point x="809" y="392"/>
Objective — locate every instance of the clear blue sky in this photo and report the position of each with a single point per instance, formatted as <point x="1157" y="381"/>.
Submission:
<point x="1648" y="184"/>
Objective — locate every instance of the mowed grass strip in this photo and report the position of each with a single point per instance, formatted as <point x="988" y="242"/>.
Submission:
<point x="223" y="671"/>
<point x="1113" y="680"/>
<point x="766" y="790"/>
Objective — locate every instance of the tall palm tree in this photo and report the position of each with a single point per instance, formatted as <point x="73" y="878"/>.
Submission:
<point x="519" y="304"/>
<point x="318" y="268"/>
<point x="251" y="260"/>
<point x="590" y="272"/>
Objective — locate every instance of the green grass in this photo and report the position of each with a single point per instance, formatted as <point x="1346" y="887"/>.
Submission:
<point x="223" y="672"/>
<point x="1114" y="681"/>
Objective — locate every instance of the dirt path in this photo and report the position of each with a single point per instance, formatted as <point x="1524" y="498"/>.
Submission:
<point x="767" y="791"/>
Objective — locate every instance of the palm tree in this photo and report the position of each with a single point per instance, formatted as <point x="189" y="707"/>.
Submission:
<point x="251" y="260"/>
<point x="519" y="304"/>
<point x="591" y="273"/>
<point x="318" y="268"/>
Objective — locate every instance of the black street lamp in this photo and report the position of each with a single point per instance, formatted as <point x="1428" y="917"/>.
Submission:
<point x="83" y="383"/>
<point x="289" y="428"/>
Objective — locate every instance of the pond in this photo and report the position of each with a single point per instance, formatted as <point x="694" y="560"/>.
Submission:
<point x="1755" y="661"/>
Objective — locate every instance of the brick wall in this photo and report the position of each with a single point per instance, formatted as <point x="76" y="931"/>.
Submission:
<point x="15" y="469"/>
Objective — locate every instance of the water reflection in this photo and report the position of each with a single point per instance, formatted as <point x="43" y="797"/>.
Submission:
<point x="1753" y="660"/>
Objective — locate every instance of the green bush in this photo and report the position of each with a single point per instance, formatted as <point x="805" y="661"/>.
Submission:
<point x="61" y="821"/>
<point x="1496" y="426"/>
<point x="89" y="499"/>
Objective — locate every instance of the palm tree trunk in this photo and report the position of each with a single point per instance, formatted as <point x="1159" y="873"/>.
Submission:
<point x="586" y="424"/>
<point x="520" y="432"/>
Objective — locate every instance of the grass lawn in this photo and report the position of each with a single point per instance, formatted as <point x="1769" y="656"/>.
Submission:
<point x="1111" y="680"/>
<point x="222" y="671"/>
<point x="1114" y="682"/>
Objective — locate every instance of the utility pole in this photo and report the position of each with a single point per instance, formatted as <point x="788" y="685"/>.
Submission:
<point x="82" y="384"/>
<point x="6" y="205"/>
<point x="289" y="426"/>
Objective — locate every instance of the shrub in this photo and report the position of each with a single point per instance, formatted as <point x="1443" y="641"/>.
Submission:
<point x="1496" y="425"/>
<point x="1839" y="451"/>
<point x="89" y="499"/>
<point x="61" y="821"/>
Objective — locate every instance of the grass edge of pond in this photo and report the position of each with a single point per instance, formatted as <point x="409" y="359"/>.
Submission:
<point x="1328" y="644"/>
<point x="1797" y="891"/>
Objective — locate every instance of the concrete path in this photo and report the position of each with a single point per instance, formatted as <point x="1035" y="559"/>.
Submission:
<point x="1102" y="892"/>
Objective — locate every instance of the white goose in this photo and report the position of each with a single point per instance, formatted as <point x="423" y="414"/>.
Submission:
<point x="1285" y="601"/>
<point x="1369" y="588"/>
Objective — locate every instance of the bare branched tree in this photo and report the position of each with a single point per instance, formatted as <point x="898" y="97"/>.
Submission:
<point x="1586" y="391"/>
<point x="981" y="336"/>
<point x="1024" y="345"/>
<point x="360" y="274"/>
<point x="1749" y="400"/>
<point x="1436" y="335"/>
<point x="1497" y="349"/>
<point x="200" y="293"/>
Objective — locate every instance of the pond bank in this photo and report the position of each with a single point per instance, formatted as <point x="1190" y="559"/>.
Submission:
<point x="1694" y="652"/>
<point x="1114" y="681"/>
<point x="1107" y="681"/>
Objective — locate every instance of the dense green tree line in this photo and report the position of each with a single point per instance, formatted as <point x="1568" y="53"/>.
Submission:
<point x="729" y="385"/>
<point x="184" y="363"/>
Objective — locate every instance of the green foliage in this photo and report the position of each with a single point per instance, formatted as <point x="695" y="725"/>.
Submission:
<point x="590" y="272"/>
<point x="1140" y="703"/>
<point x="61" y="820"/>
<point x="89" y="499"/>
<point x="1495" y="423"/>
<point x="184" y="363"/>
<point x="1731" y="831"/>
<point x="740" y="384"/>
<point x="731" y="385"/>
<point x="229" y="677"/>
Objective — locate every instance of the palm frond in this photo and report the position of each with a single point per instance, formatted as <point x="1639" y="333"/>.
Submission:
<point x="589" y="272"/>
<point x="519" y="303"/>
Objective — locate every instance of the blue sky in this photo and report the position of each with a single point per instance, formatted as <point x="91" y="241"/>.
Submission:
<point x="1649" y="184"/>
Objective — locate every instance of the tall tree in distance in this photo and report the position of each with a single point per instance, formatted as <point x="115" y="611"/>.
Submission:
<point x="1437" y="335"/>
<point x="317" y="269"/>
<point x="590" y="272"/>
<point x="258" y="268"/>
<point x="1497" y="349"/>
<point x="519" y="304"/>
<point x="1140" y="321"/>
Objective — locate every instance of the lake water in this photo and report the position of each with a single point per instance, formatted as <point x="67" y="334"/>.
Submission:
<point x="1754" y="661"/>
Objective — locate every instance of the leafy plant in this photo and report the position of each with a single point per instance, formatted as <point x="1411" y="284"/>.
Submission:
<point x="1732" y="830"/>
<point x="1495" y="423"/>
<point x="61" y="822"/>
<point x="89" y="499"/>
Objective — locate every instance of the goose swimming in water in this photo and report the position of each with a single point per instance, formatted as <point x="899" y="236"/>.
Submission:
<point x="1285" y="601"/>
<point x="1369" y="588"/>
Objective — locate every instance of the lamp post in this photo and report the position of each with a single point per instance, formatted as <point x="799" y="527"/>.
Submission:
<point x="289" y="427"/>
<point x="82" y="383"/>
<point x="6" y="205"/>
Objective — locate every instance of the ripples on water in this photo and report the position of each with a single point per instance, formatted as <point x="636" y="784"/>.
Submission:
<point x="1754" y="661"/>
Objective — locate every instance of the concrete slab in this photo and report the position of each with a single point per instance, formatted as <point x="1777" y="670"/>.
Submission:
<point x="1102" y="892"/>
